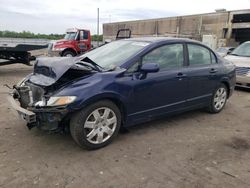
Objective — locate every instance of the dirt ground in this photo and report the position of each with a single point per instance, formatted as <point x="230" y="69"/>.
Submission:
<point x="191" y="150"/>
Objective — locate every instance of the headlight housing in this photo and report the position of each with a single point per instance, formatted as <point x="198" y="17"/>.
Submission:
<point x="60" y="100"/>
<point x="21" y="82"/>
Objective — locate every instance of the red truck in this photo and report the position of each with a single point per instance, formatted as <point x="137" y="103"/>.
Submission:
<point x="76" y="41"/>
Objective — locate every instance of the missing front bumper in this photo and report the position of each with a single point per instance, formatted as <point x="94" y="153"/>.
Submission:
<point x="28" y="116"/>
<point x="45" y="119"/>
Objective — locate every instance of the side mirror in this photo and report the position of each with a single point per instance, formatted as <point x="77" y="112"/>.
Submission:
<point x="150" y="67"/>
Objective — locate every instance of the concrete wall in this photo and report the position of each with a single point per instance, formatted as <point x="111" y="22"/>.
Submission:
<point x="193" y="26"/>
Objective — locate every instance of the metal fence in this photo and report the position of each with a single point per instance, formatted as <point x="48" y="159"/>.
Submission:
<point x="14" y="41"/>
<point x="23" y="41"/>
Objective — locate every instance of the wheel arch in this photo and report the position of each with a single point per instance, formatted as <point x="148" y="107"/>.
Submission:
<point x="114" y="98"/>
<point x="120" y="105"/>
<point x="226" y="83"/>
<point x="69" y="49"/>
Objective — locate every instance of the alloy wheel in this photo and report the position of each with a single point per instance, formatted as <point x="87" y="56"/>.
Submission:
<point x="220" y="98"/>
<point x="100" y="125"/>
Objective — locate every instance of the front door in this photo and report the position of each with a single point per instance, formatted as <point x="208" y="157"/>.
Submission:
<point x="82" y="42"/>
<point x="161" y="92"/>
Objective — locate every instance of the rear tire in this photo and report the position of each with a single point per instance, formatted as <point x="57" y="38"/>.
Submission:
<point x="219" y="99"/>
<point x="96" y="125"/>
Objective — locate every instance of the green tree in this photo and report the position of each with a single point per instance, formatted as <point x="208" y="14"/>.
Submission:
<point x="52" y="36"/>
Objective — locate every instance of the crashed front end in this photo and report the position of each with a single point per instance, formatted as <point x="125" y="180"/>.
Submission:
<point x="35" y="98"/>
<point x="27" y="100"/>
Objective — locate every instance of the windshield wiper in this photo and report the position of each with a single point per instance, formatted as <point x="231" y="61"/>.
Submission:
<point x="234" y="54"/>
<point x="95" y="65"/>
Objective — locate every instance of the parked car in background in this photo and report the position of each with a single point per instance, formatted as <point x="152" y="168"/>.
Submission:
<point x="241" y="58"/>
<point x="120" y="84"/>
<point x="223" y="51"/>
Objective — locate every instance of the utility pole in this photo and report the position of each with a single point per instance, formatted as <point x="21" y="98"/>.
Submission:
<point x="97" y="27"/>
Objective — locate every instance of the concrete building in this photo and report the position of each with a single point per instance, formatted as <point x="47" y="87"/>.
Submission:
<point x="229" y="28"/>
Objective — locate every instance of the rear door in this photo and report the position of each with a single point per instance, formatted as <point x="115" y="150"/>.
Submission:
<point x="202" y="73"/>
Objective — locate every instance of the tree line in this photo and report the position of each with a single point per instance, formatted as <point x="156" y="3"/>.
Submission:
<point x="28" y="34"/>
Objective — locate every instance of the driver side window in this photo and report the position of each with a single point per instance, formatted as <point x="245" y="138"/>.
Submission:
<point x="134" y="67"/>
<point x="167" y="56"/>
<point x="83" y="35"/>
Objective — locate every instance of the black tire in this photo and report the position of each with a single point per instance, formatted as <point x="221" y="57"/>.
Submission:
<point x="68" y="53"/>
<point x="212" y="105"/>
<point x="77" y="122"/>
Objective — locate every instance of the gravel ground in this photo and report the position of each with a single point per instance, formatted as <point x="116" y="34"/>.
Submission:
<point x="194" y="149"/>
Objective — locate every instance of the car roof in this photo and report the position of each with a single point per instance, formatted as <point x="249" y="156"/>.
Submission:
<point x="162" y="39"/>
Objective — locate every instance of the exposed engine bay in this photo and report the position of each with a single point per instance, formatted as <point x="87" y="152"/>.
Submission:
<point x="32" y="95"/>
<point x="35" y="92"/>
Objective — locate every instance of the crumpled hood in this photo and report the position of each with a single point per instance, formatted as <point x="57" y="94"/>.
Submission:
<point x="239" y="61"/>
<point x="48" y="70"/>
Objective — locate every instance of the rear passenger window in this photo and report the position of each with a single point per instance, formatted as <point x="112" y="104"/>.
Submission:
<point x="167" y="56"/>
<point x="199" y="55"/>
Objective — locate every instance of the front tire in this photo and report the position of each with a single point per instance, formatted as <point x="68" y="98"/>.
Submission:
<point x="68" y="53"/>
<point x="219" y="99"/>
<point x="96" y="125"/>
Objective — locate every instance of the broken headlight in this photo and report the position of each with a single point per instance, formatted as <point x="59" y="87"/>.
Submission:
<point x="60" y="101"/>
<point x="21" y="82"/>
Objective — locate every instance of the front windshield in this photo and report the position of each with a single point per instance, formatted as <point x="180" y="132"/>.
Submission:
<point x="115" y="53"/>
<point x="242" y="50"/>
<point x="70" y="36"/>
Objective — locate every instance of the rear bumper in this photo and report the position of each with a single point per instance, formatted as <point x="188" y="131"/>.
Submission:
<point x="44" y="118"/>
<point x="243" y="81"/>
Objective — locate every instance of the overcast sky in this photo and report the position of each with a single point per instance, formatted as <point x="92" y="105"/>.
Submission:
<point x="54" y="16"/>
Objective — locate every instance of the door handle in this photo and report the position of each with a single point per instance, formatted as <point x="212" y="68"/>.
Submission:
<point x="181" y="75"/>
<point x="213" y="70"/>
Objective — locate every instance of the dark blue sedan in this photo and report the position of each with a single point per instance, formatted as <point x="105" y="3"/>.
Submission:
<point x="120" y="84"/>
